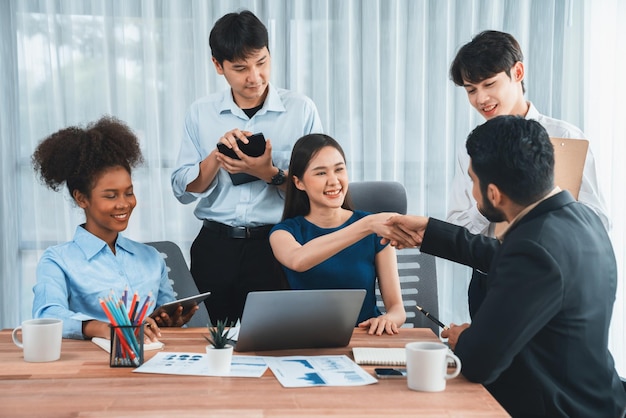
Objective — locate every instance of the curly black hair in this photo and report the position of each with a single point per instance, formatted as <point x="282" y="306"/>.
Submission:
<point x="77" y="156"/>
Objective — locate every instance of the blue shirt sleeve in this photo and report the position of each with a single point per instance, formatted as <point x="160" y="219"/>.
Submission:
<point x="284" y="118"/>
<point x="73" y="277"/>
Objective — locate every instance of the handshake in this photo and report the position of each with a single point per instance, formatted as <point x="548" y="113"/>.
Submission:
<point x="401" y="231"/>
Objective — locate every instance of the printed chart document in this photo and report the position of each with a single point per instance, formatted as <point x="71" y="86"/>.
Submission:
<point x="307" y="371"/>
<point x="196" y="364"/>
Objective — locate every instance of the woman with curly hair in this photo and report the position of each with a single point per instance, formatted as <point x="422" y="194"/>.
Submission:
<point x="95" y="163"/>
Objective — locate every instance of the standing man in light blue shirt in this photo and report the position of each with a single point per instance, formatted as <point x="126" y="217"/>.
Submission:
<point x="231" y="255"/>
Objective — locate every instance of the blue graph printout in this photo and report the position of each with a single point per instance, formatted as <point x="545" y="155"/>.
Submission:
<point x="307" y="371"/>
<point x="196" y="364"/>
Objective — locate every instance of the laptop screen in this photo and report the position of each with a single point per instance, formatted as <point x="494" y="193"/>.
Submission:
<point x="288" y="319"/>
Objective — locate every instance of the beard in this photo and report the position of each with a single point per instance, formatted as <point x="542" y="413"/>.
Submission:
<point x="490" y="212"/>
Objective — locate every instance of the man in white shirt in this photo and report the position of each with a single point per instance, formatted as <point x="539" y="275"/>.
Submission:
<point x="491" y="70"/>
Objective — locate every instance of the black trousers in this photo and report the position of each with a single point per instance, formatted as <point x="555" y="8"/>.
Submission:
<point x="230" y="268"/>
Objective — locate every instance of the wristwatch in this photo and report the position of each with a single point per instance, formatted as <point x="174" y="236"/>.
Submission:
<point x="278" y="178"/>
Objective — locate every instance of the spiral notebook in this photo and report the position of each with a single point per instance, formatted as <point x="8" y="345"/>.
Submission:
<point x="379" y="356"/>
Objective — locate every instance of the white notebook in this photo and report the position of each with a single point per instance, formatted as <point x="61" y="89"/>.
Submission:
<point x="379" y="356"/>
<point x="105" y="344"/>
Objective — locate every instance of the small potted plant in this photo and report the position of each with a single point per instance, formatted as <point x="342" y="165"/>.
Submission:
<point x="219" y="351"/>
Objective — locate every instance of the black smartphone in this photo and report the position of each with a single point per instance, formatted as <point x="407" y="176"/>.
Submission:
<point x="254" y="148"/>
<point x="389" y="373"/>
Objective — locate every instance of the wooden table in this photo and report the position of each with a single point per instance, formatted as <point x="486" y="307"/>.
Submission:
<point x="81" y="384"/>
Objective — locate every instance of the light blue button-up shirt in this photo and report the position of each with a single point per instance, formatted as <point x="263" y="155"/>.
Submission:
<point x="284" y="118"/>
<point x="71" y="277"/>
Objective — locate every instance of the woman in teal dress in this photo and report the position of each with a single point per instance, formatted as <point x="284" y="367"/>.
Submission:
<point x="323" y="244"/>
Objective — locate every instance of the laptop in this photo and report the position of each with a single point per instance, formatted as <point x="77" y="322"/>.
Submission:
<point x="288" y="319"/>
<point x="569" y="162"/>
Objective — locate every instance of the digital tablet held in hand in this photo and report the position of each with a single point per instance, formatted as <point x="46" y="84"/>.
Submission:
<point x="254" y="148"/>
<point x="187" y="303"/>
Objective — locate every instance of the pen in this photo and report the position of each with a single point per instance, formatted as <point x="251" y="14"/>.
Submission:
<point x="432" y="318"/>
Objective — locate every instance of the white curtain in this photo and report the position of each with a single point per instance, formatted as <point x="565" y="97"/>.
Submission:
<point x="603" y="93"/>
<point x="377" y="70"/>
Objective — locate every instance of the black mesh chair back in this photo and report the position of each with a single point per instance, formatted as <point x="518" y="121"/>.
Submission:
<point x="181" y="278"/>
<point x="417" y="271"/>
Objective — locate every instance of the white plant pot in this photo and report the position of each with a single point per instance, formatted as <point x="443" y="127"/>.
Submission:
<point x="219" y="360"/>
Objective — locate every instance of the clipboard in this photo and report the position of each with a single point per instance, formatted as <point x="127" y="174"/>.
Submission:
<point x="569" y="161"/>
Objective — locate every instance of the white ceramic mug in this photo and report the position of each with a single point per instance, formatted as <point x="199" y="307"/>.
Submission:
<point x="41" y="339"/>
<point x="427" y="366"/>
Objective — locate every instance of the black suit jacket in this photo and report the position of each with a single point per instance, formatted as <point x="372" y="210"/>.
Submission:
<point x="539" y="340"/>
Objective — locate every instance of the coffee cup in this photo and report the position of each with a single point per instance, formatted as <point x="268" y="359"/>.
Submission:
<point x="427" y="366"/>
<point x="41" y="339"/>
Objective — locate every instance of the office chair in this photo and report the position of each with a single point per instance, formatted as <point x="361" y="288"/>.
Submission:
<point x="417" y="271"/>
<point x="378" y="196"/>
<point x="181" y="278"/>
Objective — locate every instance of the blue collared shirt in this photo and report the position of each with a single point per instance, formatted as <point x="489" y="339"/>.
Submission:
<point x="71" y="277"/>
<point x="284" y="118"/>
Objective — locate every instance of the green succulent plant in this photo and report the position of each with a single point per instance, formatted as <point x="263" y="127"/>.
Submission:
<point x="218" y="334"/>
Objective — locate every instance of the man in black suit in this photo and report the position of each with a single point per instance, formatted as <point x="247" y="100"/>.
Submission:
<point x="539" y="342"/>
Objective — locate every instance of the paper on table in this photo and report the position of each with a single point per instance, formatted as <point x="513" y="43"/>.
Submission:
<point x="380" y="356"/>
<point x="196" y="364"/>
<point x="306" y="371"/>
<point x="105" y="344"/>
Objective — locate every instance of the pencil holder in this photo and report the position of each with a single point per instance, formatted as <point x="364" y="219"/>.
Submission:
<point x="126" y="346"/>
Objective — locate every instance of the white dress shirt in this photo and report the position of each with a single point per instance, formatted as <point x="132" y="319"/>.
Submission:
<point x="463" y="210"/>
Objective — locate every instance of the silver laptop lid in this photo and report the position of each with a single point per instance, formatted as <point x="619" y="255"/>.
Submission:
<point x="287" y="319"/>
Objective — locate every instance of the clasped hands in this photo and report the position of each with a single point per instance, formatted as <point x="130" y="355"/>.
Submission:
<point x="403" y="231"/>
<point x="406" y="231"/>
